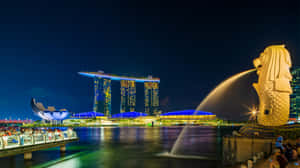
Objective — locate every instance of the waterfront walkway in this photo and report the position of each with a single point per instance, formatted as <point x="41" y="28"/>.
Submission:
<point x="25" y="144"/>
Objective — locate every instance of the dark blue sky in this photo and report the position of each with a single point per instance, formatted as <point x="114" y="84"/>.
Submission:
<point x="191" y="46"/>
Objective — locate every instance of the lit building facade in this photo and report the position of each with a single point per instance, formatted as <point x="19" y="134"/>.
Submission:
<point x="131" y="96"/>
<point x="188" y="115"/>
<point x="102" y="92"/>
<point x="124" y="91"/>
<point x="151" y="97"/>
<point x="49" y="114"/>
<point x="128" y="96"/>
<point x="295" y="96"/>
<point x="132" y="114"/>
<point x="88" y="115"/>
<point x="102" y="96"/>
<point x="155" y="97"/>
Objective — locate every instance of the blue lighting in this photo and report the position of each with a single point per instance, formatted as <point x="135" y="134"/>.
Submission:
<point x="88" y="115"/>
<point x="129" y="115"/>
<point x="187" y="112"/>
<point x="101" y="75"/>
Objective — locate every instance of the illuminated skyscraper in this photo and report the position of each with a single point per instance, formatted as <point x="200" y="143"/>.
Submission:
<point x="128" y="96"/>
<point x="147" y="101"/>
<point x="155" y="97"/>
<point x="124" y="91"/>
<point x="96" y="107"/>
<point x="131" y="96"/>
<point x="102" y="97"/>
<point x="295" y="96"/>
<point x="151" y="97"/>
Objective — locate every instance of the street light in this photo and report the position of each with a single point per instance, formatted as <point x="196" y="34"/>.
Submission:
<point x="253" y="112"/>
<point x="254" y="115"/>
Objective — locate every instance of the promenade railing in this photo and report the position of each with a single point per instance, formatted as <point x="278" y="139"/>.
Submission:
<point x="15" y="141"/>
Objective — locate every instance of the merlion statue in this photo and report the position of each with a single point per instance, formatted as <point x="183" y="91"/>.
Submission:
<point x="273" y="87"/>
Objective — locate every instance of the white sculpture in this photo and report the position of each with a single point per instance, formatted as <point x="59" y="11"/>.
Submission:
<point x="273" y="87"/>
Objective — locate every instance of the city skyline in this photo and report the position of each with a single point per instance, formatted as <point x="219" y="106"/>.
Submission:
<point x="190" y="47"/>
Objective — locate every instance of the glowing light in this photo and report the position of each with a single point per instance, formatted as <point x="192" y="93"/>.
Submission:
<point x="48" y="114"/>
<point x="187" y="112"/>
<point x="114" y="77"/>
<point x="128" y="96"/>
<point x="102" y="96"/>
<point x="253" y="112"/>
<point x="87" y="115"/>
<point x="102" y="89"/>
<point x="188" y="115"/>
<point x="295" y="96"/>
<point x="129" y="115"/>
<point x="151" y="90"/>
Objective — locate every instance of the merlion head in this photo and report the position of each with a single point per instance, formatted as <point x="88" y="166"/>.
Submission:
<point x="273" y="65"/>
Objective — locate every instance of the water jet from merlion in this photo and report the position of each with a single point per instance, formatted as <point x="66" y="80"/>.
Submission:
<point x="270" y="94"/>
<point x="217" y="96"/>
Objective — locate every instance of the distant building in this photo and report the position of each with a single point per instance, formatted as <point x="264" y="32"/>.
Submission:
<point x="131" y="114"/>
<point x="151" y="90"/>
<point x="128" y="96"/>
<point x="103" y="95"/>
<point x="88" y="115"/>
<point x="50" y="113"/>
<point x="188" y="115"/>
<point x="295" y="96"/>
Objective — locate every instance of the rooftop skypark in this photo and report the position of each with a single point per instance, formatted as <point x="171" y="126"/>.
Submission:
<point x="117" y="77"/>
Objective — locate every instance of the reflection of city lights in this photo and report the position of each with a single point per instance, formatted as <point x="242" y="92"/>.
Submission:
<point x="74" y="162"/>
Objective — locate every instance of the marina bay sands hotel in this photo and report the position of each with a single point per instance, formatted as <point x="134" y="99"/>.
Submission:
<point x="102" y="92"/>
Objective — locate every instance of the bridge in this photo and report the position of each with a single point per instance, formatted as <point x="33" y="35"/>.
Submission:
<point x="14" y="121"/>
<point x="26" y="144"/>
<point x="7" y="123"/>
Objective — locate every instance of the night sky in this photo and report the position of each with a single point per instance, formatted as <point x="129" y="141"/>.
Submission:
<point x="191" y="46"/>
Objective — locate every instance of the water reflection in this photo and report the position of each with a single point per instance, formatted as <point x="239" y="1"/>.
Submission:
<point x="129" y="147"/>
<point x="72" y="163"/>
